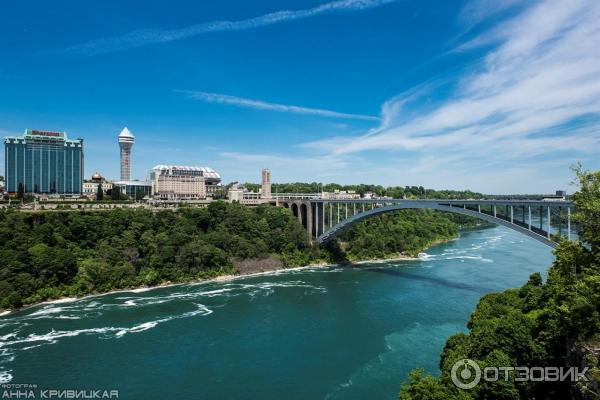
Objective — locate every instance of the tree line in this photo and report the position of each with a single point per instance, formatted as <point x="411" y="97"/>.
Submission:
<point x="71" y="253"/>
<point x="52" y="254"/>
<point x="397" y="192"/>
<point x="402" y="232"/>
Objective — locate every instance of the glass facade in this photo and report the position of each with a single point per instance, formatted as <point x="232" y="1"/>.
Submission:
<point x="44" y="162"/>
<point x="135" y="190"/>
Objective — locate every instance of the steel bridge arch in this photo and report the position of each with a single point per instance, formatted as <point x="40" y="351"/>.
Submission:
<point x="350" y="221"/>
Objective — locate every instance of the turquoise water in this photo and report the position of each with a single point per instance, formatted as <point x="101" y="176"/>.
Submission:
<point x="329" y="333"/>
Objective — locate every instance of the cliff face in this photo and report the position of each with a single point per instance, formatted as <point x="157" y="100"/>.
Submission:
<point x="583" y="356"/>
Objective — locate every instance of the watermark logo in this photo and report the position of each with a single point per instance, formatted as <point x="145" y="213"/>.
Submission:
<point x="466" y="374"/>
<point x="32" y="391"/>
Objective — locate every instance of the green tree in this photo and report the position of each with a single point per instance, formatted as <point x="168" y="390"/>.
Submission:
<point x="100" y="193"/>
<point x="21" y="191"/>
<point x="139" y="194"/>
<point x="115" y="194"/>
<point x="588" y="205"/>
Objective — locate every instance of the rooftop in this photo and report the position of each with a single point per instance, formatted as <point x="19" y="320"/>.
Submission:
<point x="126" y="134"/>
<point x="43" y="136"/>
<point x="206" y="171"/>
<point x="49" y="134"/>
<point x="133" y="183"/>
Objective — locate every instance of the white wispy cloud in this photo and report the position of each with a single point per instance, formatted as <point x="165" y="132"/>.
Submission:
<point x="263" y="105"/>
<point x="145" y="37"/>
<point x="476" y="11"/>
<point x="535" y="93"/>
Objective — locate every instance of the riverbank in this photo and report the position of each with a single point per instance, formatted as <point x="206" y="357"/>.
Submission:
<point x="220" y="278"/>
<point x="141" y="289"/>
<point x="267" y="268"/>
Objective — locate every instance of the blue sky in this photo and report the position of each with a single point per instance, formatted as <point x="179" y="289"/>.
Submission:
<point x="498" y="97"/>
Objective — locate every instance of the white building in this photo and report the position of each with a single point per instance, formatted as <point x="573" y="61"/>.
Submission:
<point x="173" y="182"/>
<point x="90" y="187"/>
<point x="236" y="193"/>
<point x="340" y="195"/>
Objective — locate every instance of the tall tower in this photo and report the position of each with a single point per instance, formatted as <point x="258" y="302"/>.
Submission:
<point x="126" y="141"/>
<point x="266" y="183"/>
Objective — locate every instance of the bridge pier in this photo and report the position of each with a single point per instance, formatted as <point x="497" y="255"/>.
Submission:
<point x="303" y="210"/>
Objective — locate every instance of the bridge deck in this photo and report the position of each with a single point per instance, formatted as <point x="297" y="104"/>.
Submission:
<point x="318" y="215"/>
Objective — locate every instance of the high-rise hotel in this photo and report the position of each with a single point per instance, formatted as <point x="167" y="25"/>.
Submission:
<point x="43" y="162"/>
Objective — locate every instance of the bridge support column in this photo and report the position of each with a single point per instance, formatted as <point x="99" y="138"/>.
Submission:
<point x="346" y="207"/>
<point x="316" y="220"/>
<point x="322" y="218"/>
<point x="309" y="220"/>
<point x="494" y="211"/>
<point x="478" y="208"/>
<point x="330" y="215"/>
<point x="529" y="217"/>
<point x="569" y="223"/>
<point x="512" y="214"/>
<point x="549" y="220"/>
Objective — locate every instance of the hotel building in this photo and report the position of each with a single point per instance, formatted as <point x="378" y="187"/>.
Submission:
<point x="172" y="182"/>
<point x="43" y="162"/>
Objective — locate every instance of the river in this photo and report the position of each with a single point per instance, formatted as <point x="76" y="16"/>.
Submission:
<point x="321" y="333"/>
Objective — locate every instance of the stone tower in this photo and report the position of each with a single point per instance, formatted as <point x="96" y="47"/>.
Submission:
<point x="266" y="184"/>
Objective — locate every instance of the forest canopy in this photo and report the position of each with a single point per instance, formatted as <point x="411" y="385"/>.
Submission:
<point x="51" y="254"/>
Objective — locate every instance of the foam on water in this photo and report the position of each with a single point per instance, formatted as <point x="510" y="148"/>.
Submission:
<point x="12" y="342"/>
<point x="217" y="292"/>
<point x="5" y="377"/>
<point x="63" y="300"/>
<point x="140" y="290"/>
<point x="138" y="328"/>
<point x="6" y="337"/>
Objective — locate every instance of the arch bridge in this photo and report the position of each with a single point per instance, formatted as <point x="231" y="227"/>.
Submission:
<point x="541" y="220"/>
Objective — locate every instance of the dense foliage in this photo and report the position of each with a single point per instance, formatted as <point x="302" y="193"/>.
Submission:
<point x="406" y="232"/>
<point x="52" y="254"/>
<point x="551" y="324"/>
<point x="397" y="192"/>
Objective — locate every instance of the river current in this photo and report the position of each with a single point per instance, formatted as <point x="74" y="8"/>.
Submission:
<point x="318" y="333"/>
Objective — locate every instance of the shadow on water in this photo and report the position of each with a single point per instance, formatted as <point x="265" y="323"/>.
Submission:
<point x="437" y="281"/>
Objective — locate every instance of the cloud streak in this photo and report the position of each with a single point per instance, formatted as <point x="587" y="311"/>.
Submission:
<point x="146" y="37"/>
<point x="262" y="105"/>
<point x="535" y="93"/>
